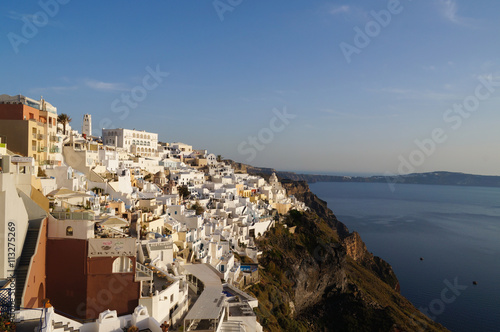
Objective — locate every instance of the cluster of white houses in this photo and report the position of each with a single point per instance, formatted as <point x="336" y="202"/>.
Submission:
<point x="126" y="230"/>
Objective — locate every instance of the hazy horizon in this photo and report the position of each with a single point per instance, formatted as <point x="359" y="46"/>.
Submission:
<point x="363" y="174"/>
<point x="324" y="86"/>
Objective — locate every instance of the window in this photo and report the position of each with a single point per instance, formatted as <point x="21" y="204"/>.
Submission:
<point x="122" y="265"/>
<point x="69" y="231"/>
<point x="172" y="298"/>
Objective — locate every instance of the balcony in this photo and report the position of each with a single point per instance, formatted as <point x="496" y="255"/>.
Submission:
<point x="54" y="149"/>
<point x="40" y="136"/>
<point x="54" y="138"/>
<point x="37" y="122"/>
<point x="42" y="149"/>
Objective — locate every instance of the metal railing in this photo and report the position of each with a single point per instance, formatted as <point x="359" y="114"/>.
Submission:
<point x="62" y="215"/>
<point x="142" y="272"/>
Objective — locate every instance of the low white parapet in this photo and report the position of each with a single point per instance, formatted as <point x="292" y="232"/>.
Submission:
<point x="108" y="321"/>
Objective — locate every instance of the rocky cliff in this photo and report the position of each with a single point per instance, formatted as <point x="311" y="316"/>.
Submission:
<point x="322" y="278"/>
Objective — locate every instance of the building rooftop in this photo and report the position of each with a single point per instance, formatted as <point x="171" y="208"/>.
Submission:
<point x="211" y="300"/>
<point x="20" y="99"/>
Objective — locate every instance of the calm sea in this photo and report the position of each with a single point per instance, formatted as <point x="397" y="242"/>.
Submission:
<point x="456" y="230"/>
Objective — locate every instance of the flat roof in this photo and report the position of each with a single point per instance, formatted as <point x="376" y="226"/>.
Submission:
<point x="211" y="300"/>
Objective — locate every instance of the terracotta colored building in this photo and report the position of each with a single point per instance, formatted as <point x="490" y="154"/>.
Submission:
<point x="88" y="275"/>
<point x="29" y="127"/>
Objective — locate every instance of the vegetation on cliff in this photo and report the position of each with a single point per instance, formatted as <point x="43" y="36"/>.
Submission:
<point x="316" y="276"/>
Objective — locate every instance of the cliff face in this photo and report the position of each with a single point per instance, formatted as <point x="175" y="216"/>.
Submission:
<point x="322" y="278"/>
<point x="355" y="247"/>
<point x="311" y="263"/>
<point x="300" y="189"/>
<point x="352" y="242"/>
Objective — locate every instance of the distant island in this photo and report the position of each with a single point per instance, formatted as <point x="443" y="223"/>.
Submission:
<point x="431" y="178"/>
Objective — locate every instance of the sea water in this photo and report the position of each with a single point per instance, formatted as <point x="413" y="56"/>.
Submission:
<point x="438" y="239"/>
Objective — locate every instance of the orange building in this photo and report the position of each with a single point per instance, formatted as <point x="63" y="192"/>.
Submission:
<point x="29" y="127"/>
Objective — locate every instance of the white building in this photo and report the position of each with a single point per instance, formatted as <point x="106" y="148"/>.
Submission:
<point x="188" y="177"/>
<point x="87" y="125"/>
<point x="211" y="159"/>
<point x="184" y="149"/>
<point x="13" y="217"/>
<point x="136" y="142"/>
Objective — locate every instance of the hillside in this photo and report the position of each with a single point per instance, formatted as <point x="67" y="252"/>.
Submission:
<point x="322" y="278"/>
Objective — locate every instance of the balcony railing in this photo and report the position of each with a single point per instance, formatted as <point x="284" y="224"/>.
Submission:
<point x="62" y="215"/>
<point x="40" y="136"/>
<point x="37" y="122"/>
<point x="42" y="149"/>
<point x="142" y="273"/>
<point x="54" y="149"/>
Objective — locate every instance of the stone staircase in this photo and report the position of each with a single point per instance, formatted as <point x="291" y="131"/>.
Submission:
<point x="147" y="259"/>
<point x="65" y="327"/>
<point x="24" y="261"/>
<point x="232" y="326"/>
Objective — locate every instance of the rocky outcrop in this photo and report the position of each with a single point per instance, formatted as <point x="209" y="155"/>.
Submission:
<point x="323" y="278"/>
<point x="300" y="189"/>
<point x="355" y="247"/>
<point x="313" y="267"/>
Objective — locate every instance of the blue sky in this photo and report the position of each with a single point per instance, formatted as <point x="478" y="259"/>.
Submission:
<point x="234" y="65"/>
